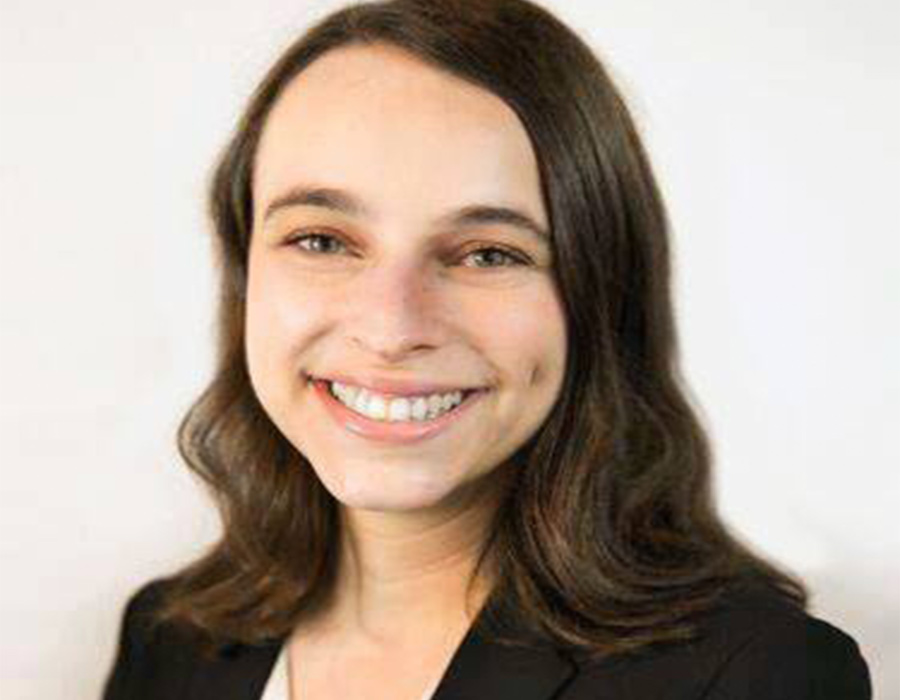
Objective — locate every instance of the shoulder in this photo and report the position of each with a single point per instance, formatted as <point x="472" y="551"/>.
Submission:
<point x="148" y="659"/>
<point x="137" y="619"/>
<point x="768" y="648"/>
<point x="754" y="645"/>
<point x="144" y="601"/>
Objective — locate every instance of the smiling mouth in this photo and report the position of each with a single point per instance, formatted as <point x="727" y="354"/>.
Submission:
<point x="402" y="427"/>
<point x="389" y="389"/>
<point x="414" y="408"/>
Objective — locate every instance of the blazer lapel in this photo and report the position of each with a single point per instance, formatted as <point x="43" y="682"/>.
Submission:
<point x="483" y="668"/>
<point x="240" y="673"/>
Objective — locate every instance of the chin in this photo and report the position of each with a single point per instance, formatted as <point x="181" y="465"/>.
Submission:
<point x="391" y="503"/>
<point x="385" y="494"/>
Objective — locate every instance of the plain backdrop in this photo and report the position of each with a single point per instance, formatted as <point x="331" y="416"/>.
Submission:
<point x="772" y="126"/>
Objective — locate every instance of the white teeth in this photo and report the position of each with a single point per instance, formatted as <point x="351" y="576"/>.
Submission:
<point x="376" y="407"/>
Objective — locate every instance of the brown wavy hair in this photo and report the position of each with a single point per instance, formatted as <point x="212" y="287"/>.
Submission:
<point x="608" y="539"/>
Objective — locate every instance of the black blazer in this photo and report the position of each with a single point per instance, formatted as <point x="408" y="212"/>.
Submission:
<point x="754" y="647"/>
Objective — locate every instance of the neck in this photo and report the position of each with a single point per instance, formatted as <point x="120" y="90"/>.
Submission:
<point x="403" y="576"/>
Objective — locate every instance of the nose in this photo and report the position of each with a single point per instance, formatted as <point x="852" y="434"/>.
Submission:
<point x="396" y="311"/>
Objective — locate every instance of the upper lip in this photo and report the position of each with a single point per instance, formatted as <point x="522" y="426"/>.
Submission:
<point x="395" y="386"/>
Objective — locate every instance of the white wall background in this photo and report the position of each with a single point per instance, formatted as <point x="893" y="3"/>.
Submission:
<point x="773" y="128"/>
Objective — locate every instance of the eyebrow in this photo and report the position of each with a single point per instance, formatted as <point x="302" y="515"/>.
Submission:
<point x="346" y="203"/>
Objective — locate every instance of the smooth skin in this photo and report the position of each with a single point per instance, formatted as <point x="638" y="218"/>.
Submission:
<point x="395" y="290"/>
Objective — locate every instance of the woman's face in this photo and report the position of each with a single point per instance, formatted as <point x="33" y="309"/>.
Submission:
<point x="394" y="283"/>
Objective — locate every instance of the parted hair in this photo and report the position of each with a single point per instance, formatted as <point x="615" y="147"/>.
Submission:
<point x="607" y="539"/>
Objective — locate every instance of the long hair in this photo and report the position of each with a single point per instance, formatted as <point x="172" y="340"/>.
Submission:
<point x="608" y="540"/>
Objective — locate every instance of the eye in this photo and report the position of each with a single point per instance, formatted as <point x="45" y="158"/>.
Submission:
<point x="320" y="237"/>
<point x="512" y="258"/>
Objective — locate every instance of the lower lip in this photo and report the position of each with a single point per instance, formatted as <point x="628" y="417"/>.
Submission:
<point x="397" y="433"/>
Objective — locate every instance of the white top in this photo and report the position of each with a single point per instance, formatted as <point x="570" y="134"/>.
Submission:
<point x="278" y="686"/>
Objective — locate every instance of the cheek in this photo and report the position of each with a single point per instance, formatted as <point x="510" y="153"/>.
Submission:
<point x="276" y="316"/>
<point x="527" y="336"/>
<point x="261" y="329"/>
<point x="278" y="307"/>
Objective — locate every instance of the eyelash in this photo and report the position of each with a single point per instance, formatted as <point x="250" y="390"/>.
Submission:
<point x="516" y="259"/>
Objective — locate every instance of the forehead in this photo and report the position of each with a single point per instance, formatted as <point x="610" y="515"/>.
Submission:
<point x="380" y="121"/>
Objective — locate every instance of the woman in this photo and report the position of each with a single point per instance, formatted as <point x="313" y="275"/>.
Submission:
<point x="447" y="433"/>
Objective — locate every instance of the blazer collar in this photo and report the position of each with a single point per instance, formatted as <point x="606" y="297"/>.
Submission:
<point x="484" y="668"/>
<point x="480" y="667"/>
